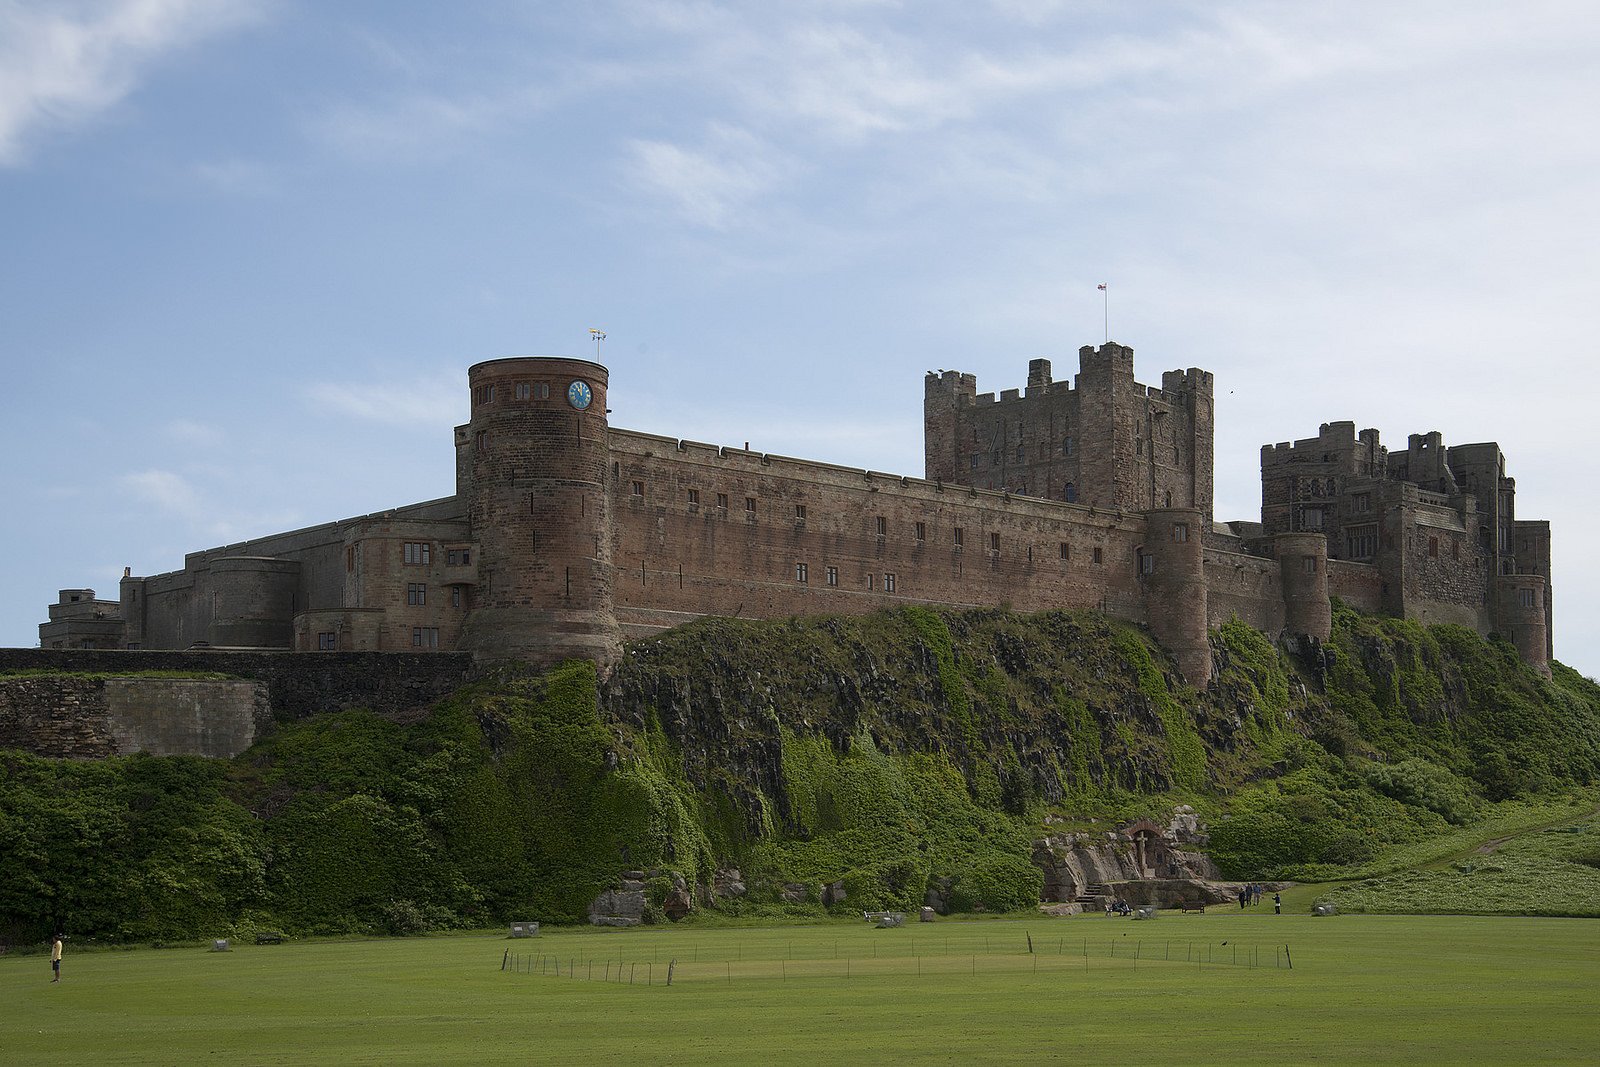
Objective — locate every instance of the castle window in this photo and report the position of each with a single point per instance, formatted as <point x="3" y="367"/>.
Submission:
<point x="1433" y="548"/>
<point x="974" y="461"/>
<point x="416" y="594"/>
<point x="1308" y="564"/>
<point x="1311" y="519"/>
<point x="1361" y="503"/>
<point x="636" y="488"/>
<point x="1138" y="446"/>
<point x="1361" y="542"/>
<point x="458" y="557"/>
<point x="722" y="501"/>
<point x="1525" y="597"/>
<point x="869" y="583"/>
<point x="350" y="558"/>
<point x="524" y="391"/>
<point x="799" y="513"/>
<point x="1180" y="532"/>
<point x="960" y="538"/>
<point x="1066" y="551"/>
<point x="1167" y="500"/>
<point x="1019" y="453"/>
<point x="480" y="441"/>
<point x="750" y="506"/>
<point x="994" y="543"/>
<point x="541" y="390"/>
<point x="882" y="526"/>
<point x="1067" y="446"/>
<point x="922" y="532"/>
<point x="417" y="553"/>
<point x="484" y="394"/>
<point x="888" y="582"/>
<point x="1147" y="563"/>
<point x="694" y="500"/>
<point x="424" y="637"/>
<point x="1069" y="493"/>
<point x="832" y="576"/>
<point x="455" y="596"/>
<point x="996" y="459"/>
<point x="1097" y="553"/>
<point x="327" y="642"/>
<point x="801" y="573"/>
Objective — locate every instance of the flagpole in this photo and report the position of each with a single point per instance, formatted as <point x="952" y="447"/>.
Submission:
<point x="1105" y="293"/>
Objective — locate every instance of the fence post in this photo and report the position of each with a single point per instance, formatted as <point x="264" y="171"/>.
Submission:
<point x="1030" y="943"/>
<point x="1288" y="956"/>
<point x="504" y="958"/>
<point x="670" y="966"/>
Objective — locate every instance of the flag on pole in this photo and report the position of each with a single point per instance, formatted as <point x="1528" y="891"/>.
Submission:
<point x="1102" y="285"/>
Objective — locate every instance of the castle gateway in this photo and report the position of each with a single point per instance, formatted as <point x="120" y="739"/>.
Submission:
<point x="567" y="536"/>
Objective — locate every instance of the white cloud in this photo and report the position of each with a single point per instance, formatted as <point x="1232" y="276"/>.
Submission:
<point x="190" y="432"/>
<point x="62" y="64"/>
<point x="163" y="489"/>
<point x="238" y="177"/>
<point x="711" y="185"/>
<point x="430" y="401"/>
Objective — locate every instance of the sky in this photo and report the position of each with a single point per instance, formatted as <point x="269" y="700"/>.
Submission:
<point x="248" y="249"/>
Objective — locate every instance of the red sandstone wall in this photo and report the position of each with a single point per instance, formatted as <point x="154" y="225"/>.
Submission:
<point x="1357" y="584"/>
<point x="674" y="555"/>
<point x="1247" y="588"/>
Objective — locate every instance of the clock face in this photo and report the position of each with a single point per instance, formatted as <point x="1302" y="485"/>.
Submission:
<point x="579" y="395"/>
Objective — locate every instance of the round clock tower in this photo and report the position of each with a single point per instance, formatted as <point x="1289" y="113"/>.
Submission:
<point x="540" y="513"/>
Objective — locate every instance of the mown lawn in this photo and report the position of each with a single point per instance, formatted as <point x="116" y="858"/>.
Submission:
<point x="1374" y="989"/>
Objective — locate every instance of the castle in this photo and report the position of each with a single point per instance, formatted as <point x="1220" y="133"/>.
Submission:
<point x="567" y="536"/>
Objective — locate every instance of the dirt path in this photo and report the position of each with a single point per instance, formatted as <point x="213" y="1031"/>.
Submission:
<point x="1494" y="844"/>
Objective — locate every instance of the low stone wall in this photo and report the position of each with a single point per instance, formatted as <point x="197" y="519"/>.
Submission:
<point x="298" y="684"/>
<point x="88" y="718"/>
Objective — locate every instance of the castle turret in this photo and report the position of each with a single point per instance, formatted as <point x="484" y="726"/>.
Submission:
<point x="1522" y="618"/>
<point x="540" y="513"/>
<point x="944" y="395"/>
<point x="1172" y="571"/>
<point x="1303" y="572"/>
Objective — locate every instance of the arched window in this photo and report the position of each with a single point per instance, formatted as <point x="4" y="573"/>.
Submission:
<point x="1070" y="493"/>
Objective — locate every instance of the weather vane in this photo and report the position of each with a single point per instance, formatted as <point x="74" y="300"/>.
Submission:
<point x="597" y="336"/>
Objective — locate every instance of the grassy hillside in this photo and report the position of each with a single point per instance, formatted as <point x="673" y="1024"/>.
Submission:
<point x="884" y="753"/>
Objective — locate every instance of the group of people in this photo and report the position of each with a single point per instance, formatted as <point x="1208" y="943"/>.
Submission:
<point x="1252" y="892"/>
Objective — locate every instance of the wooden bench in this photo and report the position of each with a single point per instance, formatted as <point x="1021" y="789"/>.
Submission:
<point x="1184" y="905"/>
<point x="269" y="937"/>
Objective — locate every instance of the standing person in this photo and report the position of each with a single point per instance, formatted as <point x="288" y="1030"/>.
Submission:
<point x="1277" y="903"/>
<point x="1244" y="895"/>
<point x="55" y="959"/>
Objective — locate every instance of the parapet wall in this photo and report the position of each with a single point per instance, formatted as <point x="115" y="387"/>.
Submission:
<point x="297" y="684"/>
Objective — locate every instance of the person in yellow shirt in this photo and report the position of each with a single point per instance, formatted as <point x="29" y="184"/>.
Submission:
<point x="55" y="959"/>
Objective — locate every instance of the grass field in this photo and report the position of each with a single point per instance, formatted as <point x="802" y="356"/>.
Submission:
<point x="1375" y="989"/>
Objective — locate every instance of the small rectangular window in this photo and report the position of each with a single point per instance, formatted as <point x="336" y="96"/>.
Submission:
<point x="1066" y="552"/>
<point x="960" y="538"/>
<point x="1312" y="519"/>
<point x="1147" y="563"/>
<point x="424" y="637"/>
<point x="1067" y="446"/>
<point x="833" y="576"/>
<point x="882" y="526"/>
<point x="1525" y="597"/>
<point x="328" y="642"/>
<point x="801" y="572"/>
<point x="458" y="557"/>
<point x="1361" y="503"/>
<point x="1309" y="564"/>
<point x="416" y="594"/>
<point x="750" y="505"/>
<point x="694" y="498"/>
<point x="799" y="513"/>
<point x="922" y="531"/>
<point x="636" y="488"/>
<point x="524" y="391"/>
<point x="974" y="461"/>
<point x="994" y="542"/>
<point x="541" y="390"/>
<point x="722" y="501"/>
<point x="888" y="582"/>
<point x="869" y="583"/>
<point x="418" y="553"/>
<point x="1180" y="532"/>
<point x="455" y="596"/>
<point x="480" y="441"/>
<point x="350" y="558"/>
<point x="1019" y="453"/>
<point x="1433" y="548"/>
<point x="1097" y="554"/>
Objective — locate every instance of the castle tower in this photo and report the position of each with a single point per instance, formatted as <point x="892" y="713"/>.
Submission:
<point x="1172" y="571"/>
<point x="1303" y="573"/>
<point x="1109" y="424"/>
<point x="1522" y="618"/>
<point x="540" y="513"/>
<point x="944" y="397"/>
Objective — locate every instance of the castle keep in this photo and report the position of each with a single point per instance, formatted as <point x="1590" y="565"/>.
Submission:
<point x="567" y="536"/>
